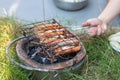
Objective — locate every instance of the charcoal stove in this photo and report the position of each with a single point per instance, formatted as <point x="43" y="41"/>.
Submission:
<point x="36" y="54"/>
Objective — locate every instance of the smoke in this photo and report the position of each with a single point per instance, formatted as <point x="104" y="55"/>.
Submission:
<point x="13" y="8"/>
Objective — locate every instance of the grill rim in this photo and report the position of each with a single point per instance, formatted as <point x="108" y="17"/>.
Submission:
<point x="22" y="55"/>
<point x="39" y="69"/>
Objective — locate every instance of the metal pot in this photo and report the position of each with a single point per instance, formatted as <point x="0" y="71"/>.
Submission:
<point x="71" y="5"/>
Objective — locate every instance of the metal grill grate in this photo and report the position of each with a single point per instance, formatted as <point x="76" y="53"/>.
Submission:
<point x="50" y="42"/>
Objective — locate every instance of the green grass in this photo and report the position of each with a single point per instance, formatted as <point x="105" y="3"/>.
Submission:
<point x="103" y="63"/>
<point x="8" y="71"/>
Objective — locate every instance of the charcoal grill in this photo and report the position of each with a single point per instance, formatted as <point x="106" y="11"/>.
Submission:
<point x="47" y="61"/>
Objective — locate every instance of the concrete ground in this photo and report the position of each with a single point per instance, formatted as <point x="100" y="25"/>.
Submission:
<point x="32" y="10"/>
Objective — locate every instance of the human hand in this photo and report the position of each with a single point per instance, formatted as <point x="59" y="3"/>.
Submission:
<point x="96" y="27"/>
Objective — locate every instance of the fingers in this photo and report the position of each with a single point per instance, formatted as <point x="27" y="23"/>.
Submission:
<point x="92" y="22"/>
<point x="96" y="31"/>
<point x="104" y="28"/>
<point x="96" y="27"/>
<point x="85" y="24"/>
<point x="92" y="31"/>
<point x="99" y="30"/>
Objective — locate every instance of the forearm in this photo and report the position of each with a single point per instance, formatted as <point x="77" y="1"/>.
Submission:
<point x="111" y="11"/>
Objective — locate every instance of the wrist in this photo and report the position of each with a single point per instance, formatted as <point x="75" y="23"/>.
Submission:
<point x="104" y="20"/>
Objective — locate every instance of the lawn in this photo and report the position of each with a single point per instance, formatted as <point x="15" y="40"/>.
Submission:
<point x="102" y="63"/>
